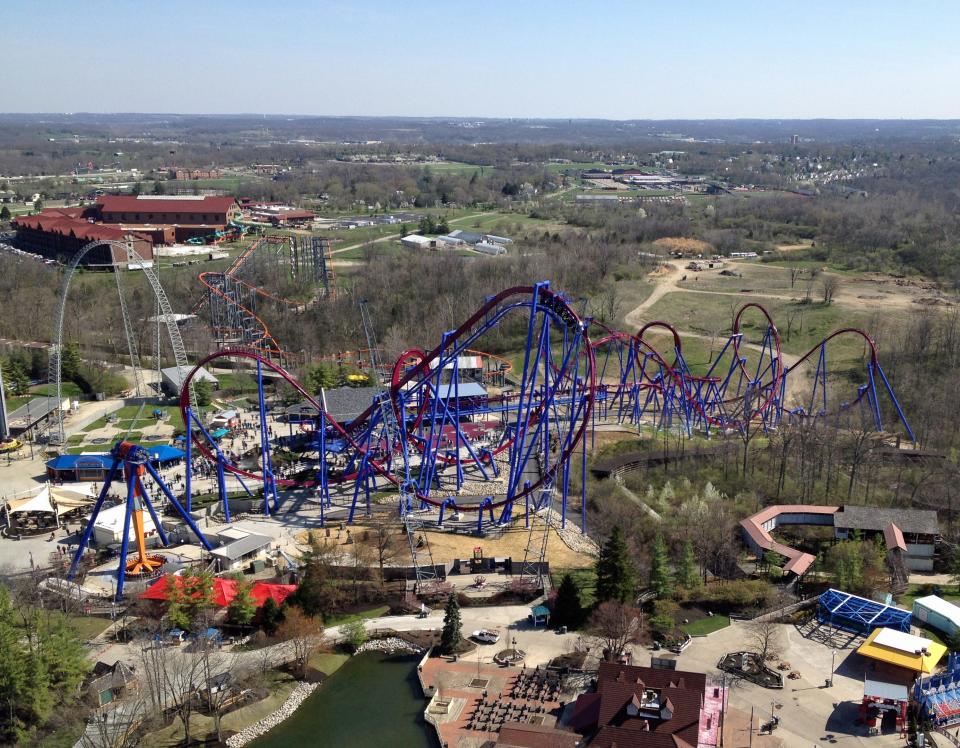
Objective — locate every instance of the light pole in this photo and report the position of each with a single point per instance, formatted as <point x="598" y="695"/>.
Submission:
<point x="833" y="657"/>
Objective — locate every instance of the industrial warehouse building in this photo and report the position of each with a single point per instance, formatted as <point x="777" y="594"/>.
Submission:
<point x="59" y="233"/>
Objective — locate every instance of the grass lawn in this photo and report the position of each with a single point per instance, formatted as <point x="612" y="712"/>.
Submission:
<point x="705" y="625"/>
<point x="88" y="627"/>
<point x="947" y="591"/>
<point x="328" y="662"/>
<point x="363" y="615"/>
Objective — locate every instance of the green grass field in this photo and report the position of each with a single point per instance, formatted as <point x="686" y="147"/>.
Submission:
<point x="705" y="625"/>
<point x="363" y="615"/>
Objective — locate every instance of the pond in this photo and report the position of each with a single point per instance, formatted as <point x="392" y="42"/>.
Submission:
<point x="373" y="701"/>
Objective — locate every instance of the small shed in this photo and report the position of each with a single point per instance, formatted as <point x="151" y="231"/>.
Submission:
<point x="171" y="379"/>
<point x="539" y="615"/>
<point x="234" y="555"/>
<point x="415" y="241"/>
<point x="938" y="613"/>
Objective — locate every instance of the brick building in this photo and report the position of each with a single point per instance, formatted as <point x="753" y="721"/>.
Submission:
<point x="59" y="233"/>
<point x="168" y="219"/>
<point x="176" y="172"/>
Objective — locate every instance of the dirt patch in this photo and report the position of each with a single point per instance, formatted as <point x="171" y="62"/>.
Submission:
<point x="447" y="546"/>
<point x="685" y="246"/>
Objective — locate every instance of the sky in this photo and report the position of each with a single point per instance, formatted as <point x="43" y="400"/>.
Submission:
<point x="641" y="59"/>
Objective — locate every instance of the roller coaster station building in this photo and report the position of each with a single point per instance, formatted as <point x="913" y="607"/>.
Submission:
<point x="146" y="221"/>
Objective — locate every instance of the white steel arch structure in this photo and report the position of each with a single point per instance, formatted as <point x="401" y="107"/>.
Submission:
<point x="54" y="372"/>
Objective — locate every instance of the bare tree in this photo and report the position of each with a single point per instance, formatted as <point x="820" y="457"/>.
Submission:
<point x="828" y="287"/>
<point x="180" y="677"/>
<point x="614" y="626"/>
<point x="795" y="272"/>
<point x="386" y="543"/>
<point x="304" y="635"/>
<point x="763" y="638"/>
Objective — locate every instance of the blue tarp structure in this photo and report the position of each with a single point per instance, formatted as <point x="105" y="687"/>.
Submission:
<point x="165" y="453"/>
<point x="219" y="433"/>
<point x="859" y="614"/>
<point x="84" y="462"/>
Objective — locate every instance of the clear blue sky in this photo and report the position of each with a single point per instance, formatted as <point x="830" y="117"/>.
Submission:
<point x="486" y="58"/>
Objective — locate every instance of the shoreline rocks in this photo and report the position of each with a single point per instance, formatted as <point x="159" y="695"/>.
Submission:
<point x="391" y="644"/>
<point x="261" y="727"/>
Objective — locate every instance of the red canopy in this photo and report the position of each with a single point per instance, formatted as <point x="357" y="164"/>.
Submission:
<point x="224" y="590"/>
<point x="279" y="592"/>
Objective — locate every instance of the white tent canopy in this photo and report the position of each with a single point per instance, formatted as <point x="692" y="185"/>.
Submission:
<point x="59" y="499"/>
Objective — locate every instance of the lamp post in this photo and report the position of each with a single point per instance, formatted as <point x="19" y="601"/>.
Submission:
<point x="833" y="657"/>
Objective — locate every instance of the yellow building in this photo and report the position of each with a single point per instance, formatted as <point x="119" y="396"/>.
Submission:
<point x="903" y="650"/>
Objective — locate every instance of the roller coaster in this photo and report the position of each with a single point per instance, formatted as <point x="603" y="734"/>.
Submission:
<point x="441" y="441"/>
<point x="233" y="295"/>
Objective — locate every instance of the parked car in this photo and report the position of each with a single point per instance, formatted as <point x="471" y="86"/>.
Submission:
<point x="486" y="636"/>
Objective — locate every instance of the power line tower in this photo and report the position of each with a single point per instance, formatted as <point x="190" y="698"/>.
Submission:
<point x="394" y="436"/>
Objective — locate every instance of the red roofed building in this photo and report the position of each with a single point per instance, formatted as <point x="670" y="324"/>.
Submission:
<point x="649" y="708"/>
<point x="59" y="233"/>
<point x="167" y="219"/>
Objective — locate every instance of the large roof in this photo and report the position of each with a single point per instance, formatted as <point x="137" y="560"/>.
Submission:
<point x="797" y="561"/>
<point x="902" y="650"/>
<point x="938" y="605"/>
<point x="679" y="703"/>
<point x="170" y="204"/>
<point x="68" y="221"/>
<point x="921" y="521"/>
<point x="343" y="404"/>
<point x="87" y="462"/>
<point x="854" y="613"/>
<point x="224" y="590"/>
<point x="27" y="415"/>
<point x="240" y="548"/>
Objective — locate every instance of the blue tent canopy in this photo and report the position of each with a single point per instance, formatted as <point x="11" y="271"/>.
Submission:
<point x="859" y="614"/>
<point x="165" y="453"/>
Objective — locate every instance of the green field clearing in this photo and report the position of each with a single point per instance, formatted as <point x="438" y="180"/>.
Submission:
<point x="379" y="248"/>
<point x="339" y="620"/>
<point x="704" y="313"/>
<point x="705" y="625"/>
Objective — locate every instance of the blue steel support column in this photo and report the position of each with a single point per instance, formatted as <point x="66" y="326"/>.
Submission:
<point x="269" y="484"/>
<point x="145" y="500"/>
<point x="189" y="458"/>
<point x="184" y="515"/>
<point x="583" y="489"/>
<point x="122" y="569"/>
<point x="896" y="403"/>
<point x="88" y="530"/>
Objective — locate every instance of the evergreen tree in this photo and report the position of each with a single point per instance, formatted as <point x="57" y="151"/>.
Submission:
<point x="567" y="609"/>
<point x="451" y="634"/>
<point x="616" y="575"/>
<point x="4" y="213"/>
<point x="660" y="577"/>
<point x="203" y="390"/>
<point x="687" y="574"/>
<point x="242" y="608"/>
<point x="270" y="616"/>
<point x="70" y="362"/>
